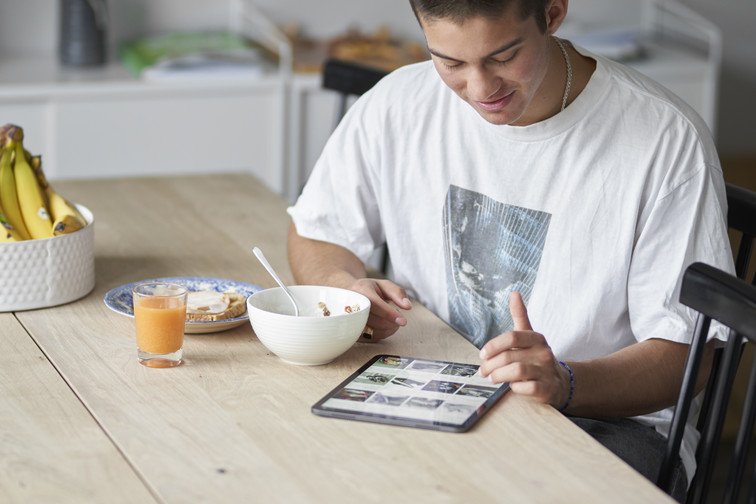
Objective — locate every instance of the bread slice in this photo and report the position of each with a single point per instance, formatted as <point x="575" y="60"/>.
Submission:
<point x="206" y="306"/>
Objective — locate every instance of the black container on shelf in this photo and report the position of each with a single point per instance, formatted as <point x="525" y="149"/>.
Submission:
<point x="83" y="26"/>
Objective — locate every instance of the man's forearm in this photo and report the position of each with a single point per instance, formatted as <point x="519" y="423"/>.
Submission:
<point x="320" y="263"/>
<point x="636" y="380"/>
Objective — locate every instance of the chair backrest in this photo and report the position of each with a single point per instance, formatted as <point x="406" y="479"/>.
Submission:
<point x="716" y="295"/>
<point x="349" y="79"/>
<point x="741" y="219"/>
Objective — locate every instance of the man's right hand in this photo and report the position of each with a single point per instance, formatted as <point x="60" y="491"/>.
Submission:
<point x="385" y="318"/>
<point x="319" y="263"/>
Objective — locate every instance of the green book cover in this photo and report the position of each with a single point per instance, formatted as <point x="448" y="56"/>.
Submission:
<point x="144" y="52"/>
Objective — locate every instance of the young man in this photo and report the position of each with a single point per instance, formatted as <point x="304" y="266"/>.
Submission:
<point x="515" y="163"/>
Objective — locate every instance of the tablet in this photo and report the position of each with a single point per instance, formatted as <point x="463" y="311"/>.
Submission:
<point x="411" y="392"/>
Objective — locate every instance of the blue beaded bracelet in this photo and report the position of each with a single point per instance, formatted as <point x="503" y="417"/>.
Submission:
<point x="572" y="387"/>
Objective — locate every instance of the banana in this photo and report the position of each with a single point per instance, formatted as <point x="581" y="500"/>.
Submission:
<point x="30" y="200"/>
<point x="36" y="163"/>
<point x="32" y="207"/>
<point x="8" y="233"/>
<point x="66" y="218"/>
<point x="8" y="196"/>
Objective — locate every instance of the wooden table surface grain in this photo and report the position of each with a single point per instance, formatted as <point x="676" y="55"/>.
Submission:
<point x="83" y="421"/>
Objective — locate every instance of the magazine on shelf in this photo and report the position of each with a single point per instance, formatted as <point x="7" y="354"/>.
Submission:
<point x="194" y="55"/>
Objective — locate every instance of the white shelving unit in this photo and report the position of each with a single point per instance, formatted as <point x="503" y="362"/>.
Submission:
<point x="104" y="122"/>
<point x="685" y="53"/>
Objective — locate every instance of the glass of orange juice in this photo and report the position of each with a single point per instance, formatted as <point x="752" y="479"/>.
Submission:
<point x="159" y="316"/>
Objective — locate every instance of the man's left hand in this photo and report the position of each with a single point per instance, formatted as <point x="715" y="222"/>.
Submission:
<point x="523" y="358"/>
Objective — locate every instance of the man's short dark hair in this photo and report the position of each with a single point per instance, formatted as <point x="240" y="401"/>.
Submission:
<point x="462" y="10"/>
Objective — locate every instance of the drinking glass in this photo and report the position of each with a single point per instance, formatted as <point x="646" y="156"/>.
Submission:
<point x="159" y="316"/>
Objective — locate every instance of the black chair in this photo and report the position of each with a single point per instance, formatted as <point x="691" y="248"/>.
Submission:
<point x="716" y="295"/>
<point x="351" y="79"/>
<point x="742" y="219"/>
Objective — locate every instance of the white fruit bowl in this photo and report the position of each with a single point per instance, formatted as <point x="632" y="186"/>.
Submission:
<point x="312" y="338"/>
<point x="49" y="271"/>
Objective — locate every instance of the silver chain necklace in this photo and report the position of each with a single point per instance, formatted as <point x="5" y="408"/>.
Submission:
<point x="569" y="71"/>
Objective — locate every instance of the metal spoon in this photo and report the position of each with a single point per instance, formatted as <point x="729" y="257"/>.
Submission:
<point x="261" y="257"/>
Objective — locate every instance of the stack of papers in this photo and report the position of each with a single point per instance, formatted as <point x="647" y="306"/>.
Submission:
<point x="192" y="56"/>
<point x="619" y="45"/>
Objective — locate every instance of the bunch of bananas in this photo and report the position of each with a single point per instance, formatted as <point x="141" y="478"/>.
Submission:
<point x="29" y="207"/>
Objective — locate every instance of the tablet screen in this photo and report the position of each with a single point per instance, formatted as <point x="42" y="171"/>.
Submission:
<point x="407" y="391"/>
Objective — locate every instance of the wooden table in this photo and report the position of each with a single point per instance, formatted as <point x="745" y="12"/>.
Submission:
<point x="82" y="421"/>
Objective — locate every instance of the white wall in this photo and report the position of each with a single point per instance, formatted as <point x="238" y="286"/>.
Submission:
<point x="737" y="101"/>
<point x="27" y="26"/>
<point x="31" y="26"/>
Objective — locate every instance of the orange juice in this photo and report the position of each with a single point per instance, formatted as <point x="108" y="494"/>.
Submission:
<point x="160" y="324"/>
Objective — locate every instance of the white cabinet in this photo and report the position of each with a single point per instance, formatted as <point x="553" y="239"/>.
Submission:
<point x="684" y="53"/>
<point x="121" y="126"/>
<point x="104" y="122"/>
<point x="312" y="116"/>
<point x="684" y="72"/>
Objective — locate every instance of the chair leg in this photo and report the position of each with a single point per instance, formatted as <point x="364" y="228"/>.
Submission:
<point x="711" y="436"/>
<point x="744" y="255"/>
<point x="680" y="415"/>
<point x="703" y="415"/>
<point x="385" y="260"/>
<point x="752" y="489"/>
<point x="742" y="440"/>
<point x="342" y="107"/>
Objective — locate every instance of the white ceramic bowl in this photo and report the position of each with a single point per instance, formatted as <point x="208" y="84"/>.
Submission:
<point x="48" y="271"/>
<point x="312" y="338"/>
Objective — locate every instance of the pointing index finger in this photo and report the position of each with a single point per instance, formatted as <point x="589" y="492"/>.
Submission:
<point x="519" y="313"/>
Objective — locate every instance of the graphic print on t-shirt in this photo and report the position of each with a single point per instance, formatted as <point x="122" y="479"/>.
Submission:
<point x="491" y="249"/>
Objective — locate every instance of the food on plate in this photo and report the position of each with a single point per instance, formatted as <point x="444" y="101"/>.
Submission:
<point x="205" y="306"/>
<point x="29" y="207"/>
<point x="380" y="49"/>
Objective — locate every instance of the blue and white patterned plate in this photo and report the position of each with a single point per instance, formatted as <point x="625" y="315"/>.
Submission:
<point x="121" y="301"/>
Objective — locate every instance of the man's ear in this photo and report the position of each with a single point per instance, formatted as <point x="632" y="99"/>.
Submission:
<point x="556" y="10"/>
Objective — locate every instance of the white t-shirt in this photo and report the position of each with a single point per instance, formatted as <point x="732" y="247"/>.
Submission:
<point x="592" y="215"/>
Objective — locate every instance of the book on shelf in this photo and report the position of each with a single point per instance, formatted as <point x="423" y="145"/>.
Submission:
<point x="194" y="55"/>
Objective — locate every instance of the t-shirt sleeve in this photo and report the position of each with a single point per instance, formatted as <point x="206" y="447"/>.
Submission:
<point x="339" y="204"/>
<point x="687" y="224"/>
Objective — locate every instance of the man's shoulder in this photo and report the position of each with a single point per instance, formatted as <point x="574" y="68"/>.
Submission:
<point x="420" y="69"/>
<point x="643" y="88"/>
<point x="408" y="77"/>
<point x="397" y="93"/>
